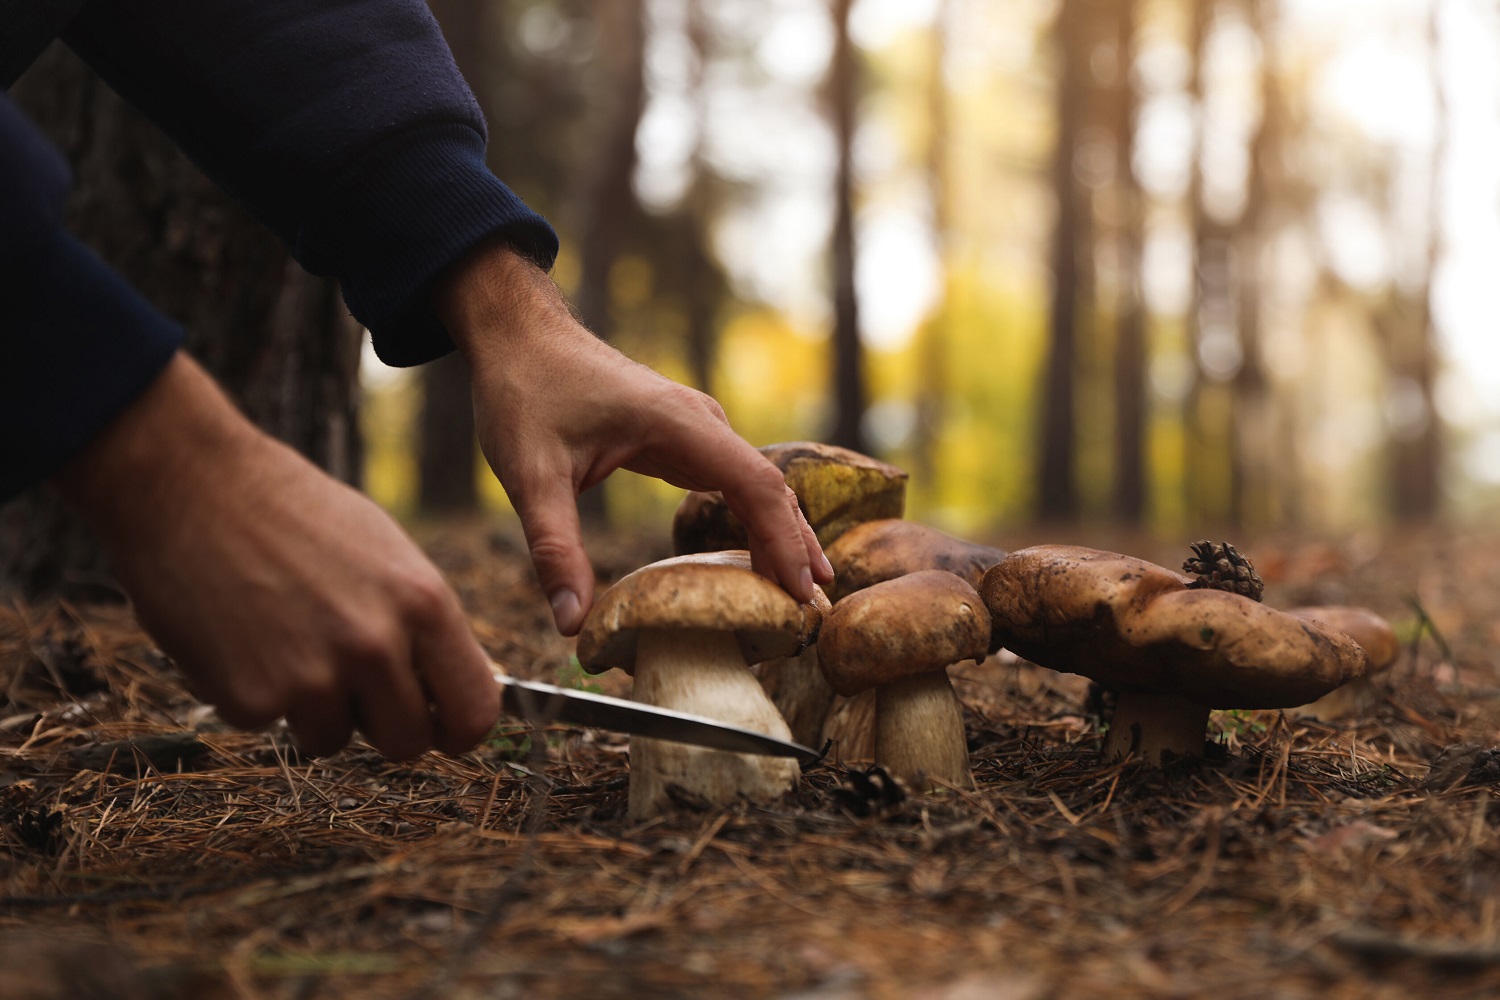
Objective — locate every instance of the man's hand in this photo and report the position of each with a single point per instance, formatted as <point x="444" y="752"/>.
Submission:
<point x="277" y="589"/>
<point x="558" y="410"/>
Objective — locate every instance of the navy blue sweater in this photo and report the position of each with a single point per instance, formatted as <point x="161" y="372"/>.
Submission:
<point x="343" y="125"/>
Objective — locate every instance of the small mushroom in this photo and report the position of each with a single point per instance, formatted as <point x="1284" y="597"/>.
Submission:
<point x="1170" y="647"/>
<point x="688" y="627"/>
<point x="871" y="553"/>
<point x="1379" y="640"/>
<point x="899" y="637"/>
<point x="836" y="487"/>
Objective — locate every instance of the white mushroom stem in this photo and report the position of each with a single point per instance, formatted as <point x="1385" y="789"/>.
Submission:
<point x="919" y="730"/>
<point x="1151" y="724"/>
<point x="703" y="672"/>
<point x="850" y="725"/>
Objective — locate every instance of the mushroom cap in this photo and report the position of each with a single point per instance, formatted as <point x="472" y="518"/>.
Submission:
<point x="880" y="550"/>
<point x="913" y="624"/>
<point x="837" y="488"/>
<point x="1134" y="626"/>
<point x="1362" y="625"/>
<point x="716" y="591"/>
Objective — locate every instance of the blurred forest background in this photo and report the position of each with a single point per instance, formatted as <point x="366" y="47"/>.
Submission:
<point x="1164" y="265"/>
<point x="1171" y="264"/>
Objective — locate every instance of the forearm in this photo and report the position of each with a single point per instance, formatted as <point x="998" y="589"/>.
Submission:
<point x="343" y="125"/>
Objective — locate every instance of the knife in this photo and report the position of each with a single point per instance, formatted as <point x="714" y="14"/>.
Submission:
<point x="541" y="704"/>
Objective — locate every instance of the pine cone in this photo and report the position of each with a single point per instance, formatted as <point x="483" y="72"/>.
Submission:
<point x="1219" y="566"/>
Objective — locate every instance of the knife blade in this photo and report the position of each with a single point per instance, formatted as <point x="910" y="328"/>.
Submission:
<point x="541" y="704"/>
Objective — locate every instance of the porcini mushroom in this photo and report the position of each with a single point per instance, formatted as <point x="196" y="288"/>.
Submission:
<point x="836" y="487"/>
<point x="688" y="627"/>
<point x="1171" y="647"/>
<point x="1379" y="640"/>
<point x="871" y="553"/>
<point x="899" y="637"/>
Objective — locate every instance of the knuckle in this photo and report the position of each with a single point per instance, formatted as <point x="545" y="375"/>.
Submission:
<point x="426" y="597"/>
<point x="365" y="645"/>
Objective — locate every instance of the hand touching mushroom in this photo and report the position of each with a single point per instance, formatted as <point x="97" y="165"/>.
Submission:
<point x="837" y="489"/>
<point x="1170" y="651"/>
<point x="687" y="627"/>
<point x="899" y="637"/>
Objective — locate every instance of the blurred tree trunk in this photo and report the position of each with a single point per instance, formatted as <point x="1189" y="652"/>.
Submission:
<point x="447" y="480"/>
<point x="848" y="353"/>
<point x="1416" y="448"/>
<point x="702" y="337"/>
<point x="1057" y="479"/>
<point x="1208" y="417"/>
<point x="278" y="339"/>
<point x="1252" y="494"/>
<point x="606" y="204"/>
<point x="932" y="374"/>
<point x="1129" y="497"/>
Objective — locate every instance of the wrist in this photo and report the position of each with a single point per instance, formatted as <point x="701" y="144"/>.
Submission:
<point x="491" y="296"/>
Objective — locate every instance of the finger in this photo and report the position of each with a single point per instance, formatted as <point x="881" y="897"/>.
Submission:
<point x="456" y="674"/>
<point x="822" y="569"/>
<point x="781" y="543"/>
<point x="712" y="456"/>
<point x="548" y="509"/>
<point x="321" y="725"/>
<point x="391" y="708"/>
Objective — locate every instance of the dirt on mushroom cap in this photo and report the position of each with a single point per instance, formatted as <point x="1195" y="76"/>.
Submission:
<point x="1134" y="626"/>
<point x="914" y="624"/>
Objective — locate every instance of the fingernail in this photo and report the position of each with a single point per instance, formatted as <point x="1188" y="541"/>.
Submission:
<point x="565" y="611"/>
<point x="804" y="585"/>
<point x="827" y="566"/>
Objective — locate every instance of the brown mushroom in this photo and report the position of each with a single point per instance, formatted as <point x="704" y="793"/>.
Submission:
<point x="899" y="637"/>
<point x="688" y="627"/>
<point x="1171" y="652"/>
<point x="882" y="550"/>
<point x="836" y="487"/>
<point x="867" y="554"/>
<point x="1379" y="640"/>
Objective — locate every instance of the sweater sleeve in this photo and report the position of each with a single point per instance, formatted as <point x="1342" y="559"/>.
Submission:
<point x="344" y="125"/>
<point x="77" y="343"/>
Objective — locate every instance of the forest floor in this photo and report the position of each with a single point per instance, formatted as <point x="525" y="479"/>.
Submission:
<point x="146" y="851"/>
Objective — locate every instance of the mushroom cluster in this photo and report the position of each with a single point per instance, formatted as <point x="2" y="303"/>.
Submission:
<point x="1171" y="646"/>
<point x="690" y="628"/>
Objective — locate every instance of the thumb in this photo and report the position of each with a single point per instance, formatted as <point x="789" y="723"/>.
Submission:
<point x="548" y="509"/>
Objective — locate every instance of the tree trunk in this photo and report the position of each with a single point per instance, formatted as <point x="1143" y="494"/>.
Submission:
<point x="1057" y="478"/>
<point x="932" y="373"/>
<point x="1207" y="412"/>
<point x="447" y="481"/>
<point x="607" y="201"/>
<point x="702" y="282"/>
<point x="848" y="352"/>
<point x="1129" y="496"/>
<point x="1253" y="500"/>
<point x="278" y="339"/>
<point x="1416" y="439"/>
